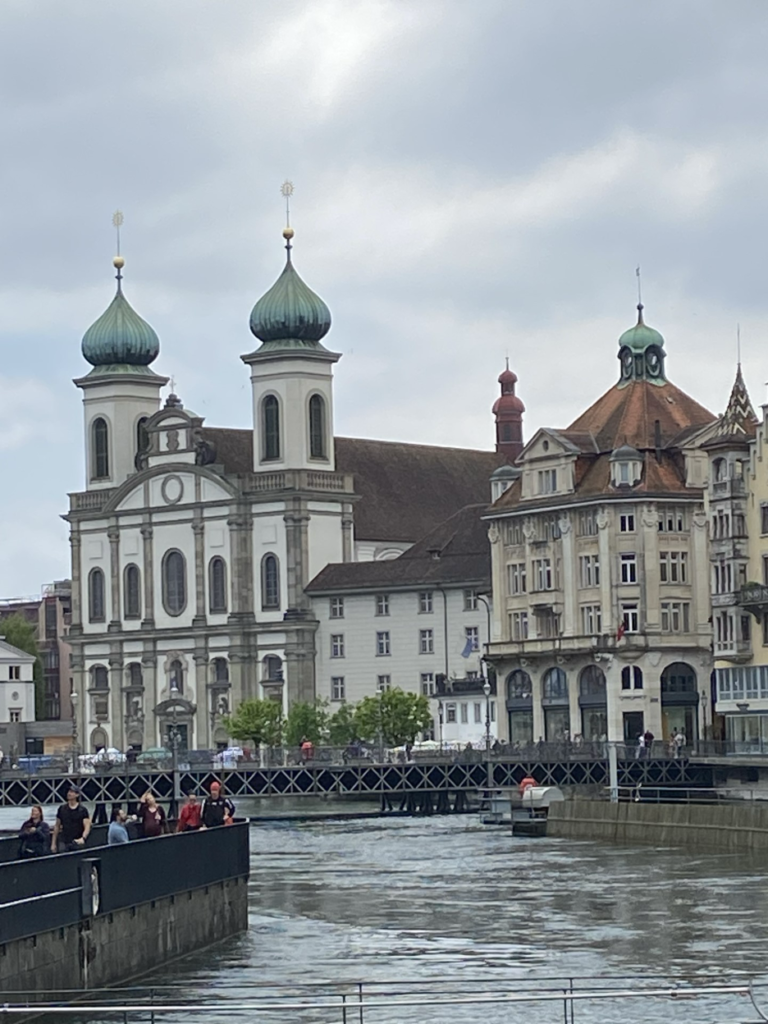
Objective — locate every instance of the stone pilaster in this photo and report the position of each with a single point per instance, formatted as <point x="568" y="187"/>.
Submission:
<point x="567" y="581"/>
<point x="148" y="621"/>
<point x="151" y="693"/>
<point x="116" y="731"/>
<point x="648" y="557"/>
<point x="113" y="535"/>
<point x="608" y="614"/>
<point x="500" y="629"/>
<point x="198" y="529"/>
<point x="300" y="664"/>
<point x="240" y="525"/>
<point x="76" y="625"/>
<point x="202" y="694"/>
<point x="700" y="575"/>
<point x="347" y="538"/>
<point x="297" y="554"/>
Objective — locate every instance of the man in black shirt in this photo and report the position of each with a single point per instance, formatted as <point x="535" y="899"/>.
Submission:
<point x="73" y="823"/>
<point x="217" y="809"/>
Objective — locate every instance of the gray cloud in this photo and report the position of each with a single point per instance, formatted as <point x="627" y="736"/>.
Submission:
<point x="471" y="180"/>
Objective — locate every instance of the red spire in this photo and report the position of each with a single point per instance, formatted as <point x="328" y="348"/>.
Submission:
<point x="508" y="410"/>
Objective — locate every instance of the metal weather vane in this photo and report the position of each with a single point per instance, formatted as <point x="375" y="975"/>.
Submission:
<point x="286" y="189"/>
<point x="117" y="221"/>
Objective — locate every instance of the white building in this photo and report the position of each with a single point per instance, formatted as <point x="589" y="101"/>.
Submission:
<point x="192" y="546"/>
<point x="412" y="622"/>
<point x="17" y="685"/>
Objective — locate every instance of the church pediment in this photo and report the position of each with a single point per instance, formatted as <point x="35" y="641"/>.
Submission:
<point x="169" y="485"/>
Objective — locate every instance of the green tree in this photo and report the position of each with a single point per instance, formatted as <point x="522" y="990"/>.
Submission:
<point x="342" y="728"/>
<point x="260" y="721"/>
<point x="21" y="633"/>
<point x="396" y="716"/>
<point x="307" y="720"/>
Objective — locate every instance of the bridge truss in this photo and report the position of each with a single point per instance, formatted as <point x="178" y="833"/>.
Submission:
<point x="372" y="780"/>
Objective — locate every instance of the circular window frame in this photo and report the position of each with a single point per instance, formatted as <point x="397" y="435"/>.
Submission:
<point x="172" y="478"/>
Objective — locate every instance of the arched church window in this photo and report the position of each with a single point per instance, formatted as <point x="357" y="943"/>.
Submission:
<point x="135" y="677"/>
<point x="273" y="668"/>
<point x="270" y="582"/>
<point x="270" y="413"/>
<point x="132" y="592"/>
<point x="176" y="676"/>
<point x="100" y="448"/>
<point x="96" y="611"/>
<point x="174" y="582"/>
<point x="142" y="437"/>
<point x="217" y="585"/>
<point x="220" y="671"/>
<point x="317" y="448"/>
<point x="99" y="678"/>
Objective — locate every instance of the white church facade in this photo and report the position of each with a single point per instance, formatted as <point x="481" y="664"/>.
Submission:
<point x="192" y="546"/>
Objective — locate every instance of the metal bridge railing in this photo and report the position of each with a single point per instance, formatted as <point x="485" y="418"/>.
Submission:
<point x="408" y="1000"/>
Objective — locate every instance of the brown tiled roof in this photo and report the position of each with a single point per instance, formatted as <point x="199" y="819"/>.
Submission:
<point x="405" y="489"/>
<point x="627" y="415"/>
<point x="456" y="552"/>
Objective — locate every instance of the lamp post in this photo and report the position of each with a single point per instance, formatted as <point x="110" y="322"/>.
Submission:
<point x="704" y="715"/>
<point x="74" y="699"/>
<point x="440" y="722"/>
<point x="487" y="692"/>
<point x="174" y="738"/>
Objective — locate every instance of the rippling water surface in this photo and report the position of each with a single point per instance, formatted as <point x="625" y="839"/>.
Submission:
<point x="445" y="900"/>
<point x="449" y="903"/>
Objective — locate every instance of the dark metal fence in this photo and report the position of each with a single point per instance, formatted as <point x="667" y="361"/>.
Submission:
<point x="51" y="892"/>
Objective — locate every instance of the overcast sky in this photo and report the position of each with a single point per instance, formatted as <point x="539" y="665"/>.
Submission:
<point x="472" y="180"/>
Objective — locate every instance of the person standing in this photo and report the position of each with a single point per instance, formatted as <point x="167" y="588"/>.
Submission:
<point x="679" y="743"/>
<point x="151" y="816"/>
<point x="117" y="832"/>
<point x="649" y="738"/>
<point x="72" y="826"/>
<point x="189" y="817"/>
<point x="35" y="834"/>
<point x="217" y="809"/>
<point x="640" y="747"/>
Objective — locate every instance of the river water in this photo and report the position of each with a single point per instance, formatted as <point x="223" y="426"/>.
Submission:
<point x="445" y="904"/>
<point x="450" y="902"/>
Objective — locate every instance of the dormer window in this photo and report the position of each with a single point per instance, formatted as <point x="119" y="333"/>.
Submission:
<point x="626" y="467"/>
<point x="547" y="479"/>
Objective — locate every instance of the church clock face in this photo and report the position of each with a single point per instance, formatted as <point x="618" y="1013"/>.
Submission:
<point x="626" y="364"/>
<point x="652" y="362"/>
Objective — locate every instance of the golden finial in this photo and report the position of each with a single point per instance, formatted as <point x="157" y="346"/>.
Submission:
<point x="286" y="189"/>
<point x="118" y="262"/>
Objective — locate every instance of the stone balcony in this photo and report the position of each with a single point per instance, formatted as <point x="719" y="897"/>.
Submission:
<point x="734" y="650"/>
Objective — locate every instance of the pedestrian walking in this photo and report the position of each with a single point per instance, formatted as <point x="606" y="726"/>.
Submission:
<point x="117" y="833"/>
<point x="72" y="826"/>
<point x="35" y="834"/>
<point x="189" y="817"/>
<point x="679" y="743"/>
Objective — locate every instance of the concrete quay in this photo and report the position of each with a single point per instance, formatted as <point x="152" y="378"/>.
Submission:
<point x="734" y="828"/>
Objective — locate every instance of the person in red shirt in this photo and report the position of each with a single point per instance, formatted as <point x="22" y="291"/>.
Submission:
<point x="527" y="783"/>
<point x="189" y="818"/>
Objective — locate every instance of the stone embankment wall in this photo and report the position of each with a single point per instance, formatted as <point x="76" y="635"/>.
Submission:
<point x="103" y="951"/>
<point x="736" y="828"/>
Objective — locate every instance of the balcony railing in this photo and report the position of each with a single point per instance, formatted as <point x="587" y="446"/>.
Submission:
<point x="754" y="597"/>
<point x="734" y="487"/>
<point x="85" y="501"/>
<point x="734" y="650"/>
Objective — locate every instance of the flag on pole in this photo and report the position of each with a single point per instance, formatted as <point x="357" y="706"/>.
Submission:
<point x="621" y="631"/>
<point x="469" y="646"/>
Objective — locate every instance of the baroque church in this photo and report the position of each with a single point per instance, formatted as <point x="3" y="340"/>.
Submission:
<point x="192" y="546"/>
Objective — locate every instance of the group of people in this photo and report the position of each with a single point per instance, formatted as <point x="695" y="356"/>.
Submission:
<point x="72" y="824"/>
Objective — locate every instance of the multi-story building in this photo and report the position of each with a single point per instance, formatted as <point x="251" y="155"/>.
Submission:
<point x="192" y="546"/>
<point x="50" y="731"/>
<point x="738" y="514"/>
<point x="417" y="622"/>
<point x="600" y="565"/>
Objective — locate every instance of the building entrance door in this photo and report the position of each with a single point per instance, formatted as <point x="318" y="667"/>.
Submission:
<point x="633" y="726"/>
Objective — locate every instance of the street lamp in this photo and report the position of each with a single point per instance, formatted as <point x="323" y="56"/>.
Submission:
<point x="174" y="738"/>
<point x="74" y="699"/>
<point x="440" y="722"/>
<point x="487" y="692"/>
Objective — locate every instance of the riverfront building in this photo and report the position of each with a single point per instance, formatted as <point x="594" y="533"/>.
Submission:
<point x="738" y="514"/>
<point x="600" y="563"/>
<point x="192" y="546"/>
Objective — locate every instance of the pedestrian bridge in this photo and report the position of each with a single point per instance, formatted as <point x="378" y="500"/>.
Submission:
<point x="390" y="781"/>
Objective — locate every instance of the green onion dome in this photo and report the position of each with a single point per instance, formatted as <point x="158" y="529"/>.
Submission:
<point x="641" y="336"/>
<point x="120" y="336"/>
<point x="290" y="313"/>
